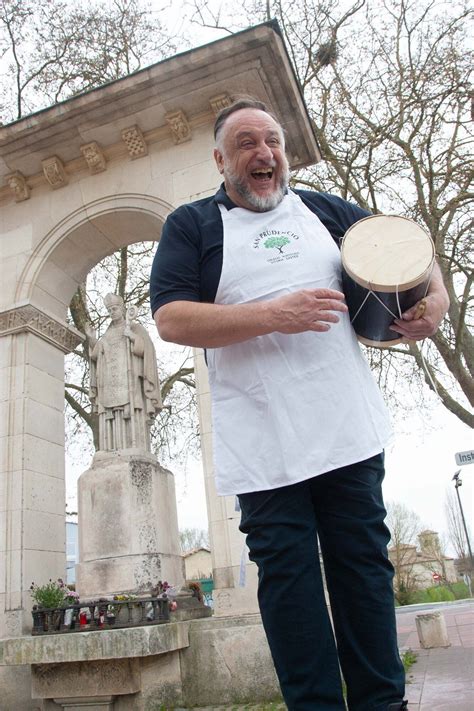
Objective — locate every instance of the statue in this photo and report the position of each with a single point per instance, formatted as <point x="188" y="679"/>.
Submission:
<point x="124" y="385"/>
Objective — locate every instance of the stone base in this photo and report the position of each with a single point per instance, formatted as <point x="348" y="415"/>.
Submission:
<point x="432" y="631"/>
<point x="198" y="662"/>
<point x="128" y="526"/>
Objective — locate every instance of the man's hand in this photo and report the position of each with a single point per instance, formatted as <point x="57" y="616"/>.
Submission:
<point x="414" y="326"/>
<point x="127" y="331"/>
<point x="307" y="310"/>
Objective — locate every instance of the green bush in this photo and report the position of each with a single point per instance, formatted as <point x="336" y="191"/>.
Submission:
<point x="437" y="593"/>
<point x="440" y="593"/>
<point x="460" y="590"/>
<point x="50" y="595"/>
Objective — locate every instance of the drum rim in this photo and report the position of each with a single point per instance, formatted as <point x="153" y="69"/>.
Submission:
<point x="379" y="344"/>
<point x="383" y="288"/>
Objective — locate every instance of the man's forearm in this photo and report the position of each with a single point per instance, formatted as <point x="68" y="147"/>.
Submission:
<point x="211" y="325"/>
<point x="437" y="288"/>
<point x="205" y="325"/>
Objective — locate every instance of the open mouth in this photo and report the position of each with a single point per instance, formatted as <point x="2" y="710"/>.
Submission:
<point x="262" y="174"/>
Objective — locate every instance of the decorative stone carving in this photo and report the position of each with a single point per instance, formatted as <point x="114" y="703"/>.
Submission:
<point x="94" y="157"/>
<point x="220" y="102"/>
<point x="124" y="385"/>
<point x="180" y="127"/>
<point x="17" y="184"/>
<point x="29" y="318"/>
<point x="135" y="142"/>
<point x="54" y="172"/>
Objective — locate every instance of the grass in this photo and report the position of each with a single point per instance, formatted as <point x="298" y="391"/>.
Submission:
<point x="408" y="659"/>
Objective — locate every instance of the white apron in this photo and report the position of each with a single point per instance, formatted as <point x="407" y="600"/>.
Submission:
<point x="287" y="407"/>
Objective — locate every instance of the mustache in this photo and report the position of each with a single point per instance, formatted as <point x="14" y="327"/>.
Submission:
<point x="266" y="164"/>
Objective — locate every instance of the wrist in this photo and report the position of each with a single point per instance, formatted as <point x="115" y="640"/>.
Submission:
<point x="271" y="315"/>
<point x="439" y="300"/>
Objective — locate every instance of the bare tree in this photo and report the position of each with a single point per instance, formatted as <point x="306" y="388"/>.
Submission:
<point x="191" y="538"/>
<point x="404" y="526"/>
<point x="388" y="87"/>
<point x="54" y="49"/>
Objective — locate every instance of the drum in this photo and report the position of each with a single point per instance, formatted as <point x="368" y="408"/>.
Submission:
<point x="386" y="267"/>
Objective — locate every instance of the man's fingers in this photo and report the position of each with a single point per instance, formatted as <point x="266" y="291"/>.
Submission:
<point x="331" y="305"/>
<point x="326" y="294"/>
<point x="328" y="316"/>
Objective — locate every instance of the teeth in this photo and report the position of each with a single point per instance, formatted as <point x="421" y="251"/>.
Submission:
<point x="263" y="171"/>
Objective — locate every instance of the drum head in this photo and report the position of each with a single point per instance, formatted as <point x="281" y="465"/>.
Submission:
<point x="387" y="253"/>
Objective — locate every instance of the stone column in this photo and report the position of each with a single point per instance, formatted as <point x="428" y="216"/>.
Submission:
<point x="128" y="525"/>
<point x="231" y="597"/>
<point x="32" y="496"/>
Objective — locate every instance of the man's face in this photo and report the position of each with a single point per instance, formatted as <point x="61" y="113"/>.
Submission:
<point x="251" y="156"/>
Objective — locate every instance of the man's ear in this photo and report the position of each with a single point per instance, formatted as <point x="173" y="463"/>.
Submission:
<point x="219" y="158"/>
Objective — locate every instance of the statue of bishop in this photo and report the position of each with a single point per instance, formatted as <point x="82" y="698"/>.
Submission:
<point x="124" y="385"/>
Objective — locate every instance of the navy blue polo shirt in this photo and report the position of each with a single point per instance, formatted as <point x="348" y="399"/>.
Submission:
<point x="188" y="262"/>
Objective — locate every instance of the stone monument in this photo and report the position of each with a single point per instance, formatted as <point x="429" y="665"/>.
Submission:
<point x="128" y="527"/>
<point x="124" y="385"/>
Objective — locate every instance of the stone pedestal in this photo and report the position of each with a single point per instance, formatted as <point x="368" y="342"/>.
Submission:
<point x="224" y="661"/>
<point x="128" y="526"/>
<point x="432" y="632"/>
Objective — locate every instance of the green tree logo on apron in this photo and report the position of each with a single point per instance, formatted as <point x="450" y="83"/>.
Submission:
<point x="277" y="242"/>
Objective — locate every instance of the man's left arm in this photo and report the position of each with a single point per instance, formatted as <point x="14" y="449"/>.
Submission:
<point x="436" y="306"/>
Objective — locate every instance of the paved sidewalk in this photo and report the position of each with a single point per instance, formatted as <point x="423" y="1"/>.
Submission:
<point x="441" y="679"/>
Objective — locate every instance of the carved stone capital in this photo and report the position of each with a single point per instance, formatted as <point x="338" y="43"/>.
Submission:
<point x="54" y="172"/>
<point x="94" y="157"/>
<point x="17" y="183"/>
<point x="179" y="125"/>
<point x="31" y="319"/>
<point x="222" y="101"/>
<point x="135" y="142"/>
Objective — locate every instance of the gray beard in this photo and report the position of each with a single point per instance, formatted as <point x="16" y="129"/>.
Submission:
<point x="259" y="203"/>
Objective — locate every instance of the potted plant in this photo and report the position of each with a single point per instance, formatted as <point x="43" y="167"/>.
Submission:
<point x="50" y="599"/>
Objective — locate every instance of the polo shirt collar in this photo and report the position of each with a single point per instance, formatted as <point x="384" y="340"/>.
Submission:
<point x="224" y="199"/>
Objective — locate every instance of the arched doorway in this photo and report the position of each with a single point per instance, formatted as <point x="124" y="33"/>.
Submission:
<point x="34" y="491"/>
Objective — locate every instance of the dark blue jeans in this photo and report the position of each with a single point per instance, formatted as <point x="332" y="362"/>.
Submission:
<point x="345" y="509"/>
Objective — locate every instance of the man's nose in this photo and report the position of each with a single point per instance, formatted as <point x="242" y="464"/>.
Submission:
<point x="264" y="152"/>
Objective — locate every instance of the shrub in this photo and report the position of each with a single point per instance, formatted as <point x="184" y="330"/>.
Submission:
<point x="53" y="594"/>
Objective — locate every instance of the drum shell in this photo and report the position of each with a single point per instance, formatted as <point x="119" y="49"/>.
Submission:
<point x="372" y="320"/>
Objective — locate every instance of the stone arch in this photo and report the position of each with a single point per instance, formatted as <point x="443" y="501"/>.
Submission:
<point x="68" y="252"/>
<point x="35" y="343"/>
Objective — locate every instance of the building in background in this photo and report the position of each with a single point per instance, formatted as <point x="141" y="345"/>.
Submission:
<point x="425" y="567"/>
<point x="197" y="564"/>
